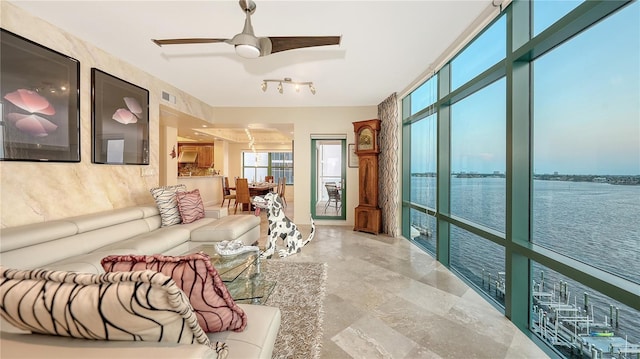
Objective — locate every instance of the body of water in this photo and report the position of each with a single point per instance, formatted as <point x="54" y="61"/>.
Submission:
<point x="596" y="223"/>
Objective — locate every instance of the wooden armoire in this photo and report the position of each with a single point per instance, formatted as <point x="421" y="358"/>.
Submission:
<point x="368" y="216"/>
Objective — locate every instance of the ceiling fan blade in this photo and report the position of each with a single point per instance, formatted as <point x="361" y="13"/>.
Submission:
<point x="284" y="43"/>
<point x="188" y="41"/>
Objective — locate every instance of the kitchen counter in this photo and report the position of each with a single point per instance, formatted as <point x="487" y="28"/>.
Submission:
<point x="210" y="187"/>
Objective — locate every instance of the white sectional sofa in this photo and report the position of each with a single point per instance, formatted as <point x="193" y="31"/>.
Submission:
<point x="78" y="244"/>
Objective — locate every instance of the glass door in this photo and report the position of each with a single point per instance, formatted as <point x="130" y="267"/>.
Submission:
<point x="328" y="165"/>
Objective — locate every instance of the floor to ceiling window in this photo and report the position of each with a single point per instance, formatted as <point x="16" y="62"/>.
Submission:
<point x="521" y="172"/>
<point x="585" y="147"/>
<point x="478" y="159"/>
<point x="485" y="51"/>
<point x="423" y="179"/>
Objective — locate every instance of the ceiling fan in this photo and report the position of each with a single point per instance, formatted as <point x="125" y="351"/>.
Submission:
<point x="249" y="46"/>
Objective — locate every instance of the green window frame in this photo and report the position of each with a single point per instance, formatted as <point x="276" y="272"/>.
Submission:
<point x="520" y="253"/>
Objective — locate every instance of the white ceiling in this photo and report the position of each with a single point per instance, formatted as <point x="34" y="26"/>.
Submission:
<point x="192" y="129"/>
<point x="386" y="45"/>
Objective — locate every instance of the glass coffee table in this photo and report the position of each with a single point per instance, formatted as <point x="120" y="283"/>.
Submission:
<point x="240" y="274"/>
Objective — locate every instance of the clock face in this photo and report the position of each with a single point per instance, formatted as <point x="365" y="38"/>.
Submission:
<point x="365" y="139"/>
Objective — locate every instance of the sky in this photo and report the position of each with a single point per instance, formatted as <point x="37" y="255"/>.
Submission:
<point x="586" y="101"/>
<point x="478" y="127"/>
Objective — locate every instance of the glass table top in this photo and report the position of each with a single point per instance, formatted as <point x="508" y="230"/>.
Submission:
<point x="240" y="274"/>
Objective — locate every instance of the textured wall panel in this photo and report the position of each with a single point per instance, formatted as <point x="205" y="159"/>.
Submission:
<point x="388" y="168"/>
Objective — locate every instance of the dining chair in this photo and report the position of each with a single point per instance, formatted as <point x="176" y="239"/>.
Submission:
<point x="334" y="195"/>
<point x="242" y="194"/>
<point x="226" y="192"/>
<point x="282" y="186"/>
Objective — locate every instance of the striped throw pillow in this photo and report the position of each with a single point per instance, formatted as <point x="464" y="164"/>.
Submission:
<point x="167" y="203"/>
<point x="190" y="206"/>
<point x="127" y="306"/>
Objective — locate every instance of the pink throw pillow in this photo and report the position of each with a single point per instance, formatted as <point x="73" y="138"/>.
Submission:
<point x="194" y="274"/>
<point x="190" y="205"/>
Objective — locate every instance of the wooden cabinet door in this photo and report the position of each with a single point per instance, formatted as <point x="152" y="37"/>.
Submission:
<point x="205" y="156"/>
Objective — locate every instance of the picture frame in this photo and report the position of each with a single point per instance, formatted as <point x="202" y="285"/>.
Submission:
<point x="353" y="161"/>
<point x="119" y="120"/>
<point x="39" y="102"/>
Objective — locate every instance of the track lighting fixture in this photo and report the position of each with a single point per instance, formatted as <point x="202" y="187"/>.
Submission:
<point x="287" y="80"/>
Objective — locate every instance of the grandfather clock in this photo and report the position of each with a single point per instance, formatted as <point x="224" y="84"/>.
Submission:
<point x="368" y="215"/>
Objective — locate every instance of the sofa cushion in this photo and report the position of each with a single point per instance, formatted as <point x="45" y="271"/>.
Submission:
<point x="258" y="338"/>
<point x="225" y="229"/>
<point x="86" y="263"/>
<point x="93" y="221"/>
<point x="165" y="197"/>
<point x="30" y="234"/>
<point x="194" y="273"/>
<point x="190" y="205"/>
<point x="42" y="254"/>
<point x="149" y="210"/>
<point x="37" y="346"/>
<point x="157" y="241"/>
<point x="126" y="306"/>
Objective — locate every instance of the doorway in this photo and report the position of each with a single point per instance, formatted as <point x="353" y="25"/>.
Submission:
<point x="328" y="178"/>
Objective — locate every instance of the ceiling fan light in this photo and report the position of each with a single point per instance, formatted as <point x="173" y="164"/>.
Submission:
<point x="248" y="51"/>
<point x="264" y="86"/>
<point x="280" y="88"/>
<point x="297" y="88"/>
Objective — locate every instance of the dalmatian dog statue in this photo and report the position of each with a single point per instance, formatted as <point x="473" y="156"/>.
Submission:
<point x="280" y="226"/>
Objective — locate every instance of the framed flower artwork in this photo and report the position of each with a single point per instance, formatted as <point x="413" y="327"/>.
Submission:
<point x="39" y="102"/>
<point x="120" y="121"/>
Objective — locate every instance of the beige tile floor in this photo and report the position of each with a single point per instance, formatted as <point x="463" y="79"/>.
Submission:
<point x="388" y="299"/>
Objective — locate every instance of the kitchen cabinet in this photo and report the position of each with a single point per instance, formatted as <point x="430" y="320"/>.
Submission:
<point x="204" y="151"/>
<point x="205" y="155"/>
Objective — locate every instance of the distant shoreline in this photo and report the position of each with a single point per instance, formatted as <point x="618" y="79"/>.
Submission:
<point x="626" y="180"/>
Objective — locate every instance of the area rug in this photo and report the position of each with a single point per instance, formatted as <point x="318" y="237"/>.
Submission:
<point x="299" y="293"/>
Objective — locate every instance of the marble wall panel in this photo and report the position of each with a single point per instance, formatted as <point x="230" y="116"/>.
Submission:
<point x="33" y="192"/>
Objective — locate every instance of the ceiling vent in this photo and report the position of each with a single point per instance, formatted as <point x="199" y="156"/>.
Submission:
<point x="168" y="97"/>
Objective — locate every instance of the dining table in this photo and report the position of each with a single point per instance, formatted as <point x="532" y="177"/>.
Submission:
<point x="261" y="188"/>
<point x="257" y="189"/>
